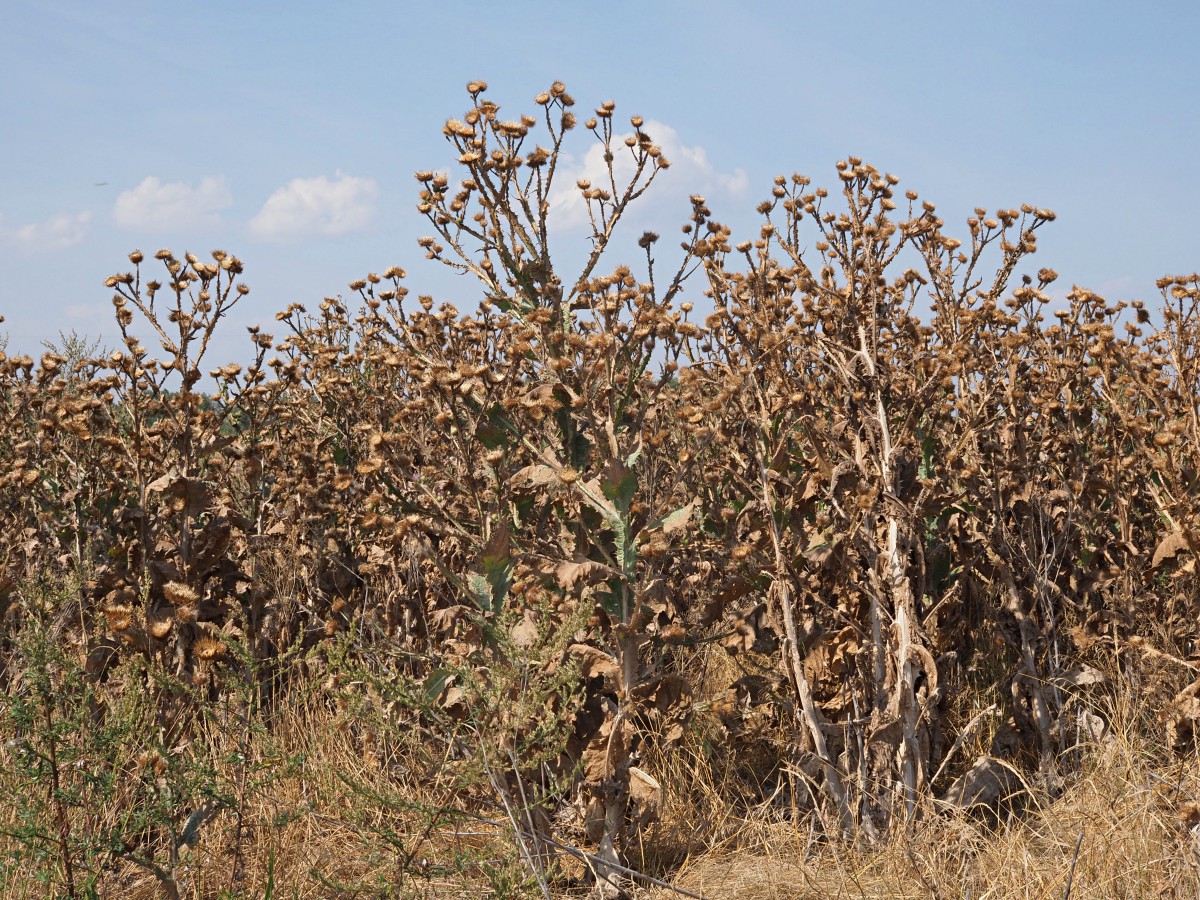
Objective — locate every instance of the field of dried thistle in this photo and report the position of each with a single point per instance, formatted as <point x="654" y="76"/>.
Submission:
<point x="877" y="579"/>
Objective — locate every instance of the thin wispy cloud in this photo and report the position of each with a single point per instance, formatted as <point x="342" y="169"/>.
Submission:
<point x="1126" y="287"/>
<point x="691" y="172"/>
<point x="172" y="205"/>
<point x="316" y="207"/>
<point x="56" y="233"/>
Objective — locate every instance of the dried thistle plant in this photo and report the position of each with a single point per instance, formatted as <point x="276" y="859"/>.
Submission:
<point x="854" y="445"/>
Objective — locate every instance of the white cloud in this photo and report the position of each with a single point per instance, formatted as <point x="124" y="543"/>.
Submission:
<point x="56" y="233"/>
<point x="691" y="172"/>
<point x="1126" y="287"/>
<point x="172" y="204"/>
<point x="308" y="207"/>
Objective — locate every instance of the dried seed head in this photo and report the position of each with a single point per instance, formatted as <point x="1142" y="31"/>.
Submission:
<point x="208" y="648"/>
<point x="120" y="618"/>
<point x="180" y="594"/>
<point x="160" y="624"/>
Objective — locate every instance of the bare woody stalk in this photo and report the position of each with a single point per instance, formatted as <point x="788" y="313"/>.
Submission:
<point x="813" y="720"/>
<point x="577" y="354"/>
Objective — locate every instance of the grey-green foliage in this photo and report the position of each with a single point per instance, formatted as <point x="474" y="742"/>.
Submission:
<point x="107" y="769"/>
<point x="73" y="347"/>
<point x="482" y="734"/>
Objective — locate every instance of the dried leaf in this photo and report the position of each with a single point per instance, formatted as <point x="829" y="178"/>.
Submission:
<point x="885" y="728"/>
<point x="646" y="794"/>
<point x="820" y="548"/>
<point x="187" y="495"/>
<point x="664" y="694"/>
<point x="535" y="476"/>
<point x="444" y="619"/>
<point x="1091" y="726"/>
<point x="643" y="787"/>
<point x="210" y="545"/>
<point x="1079" y="676"/>
<point x="989" y="782"/>
<point x="454" y="701"/>
<point x="589" y="572"/>
<point x="525" y="632"/>
<point x="812" y="487"/>
<point x="594" y="661"/>
<point x="832" y="656"/>
<point x="1183" y="718"/>
<point x="1170" y="547"/>
<point x="677" y="521"/>
<point x="607" y="751"/>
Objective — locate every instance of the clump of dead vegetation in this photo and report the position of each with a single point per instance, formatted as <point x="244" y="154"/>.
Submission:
<point x="871" y="558"/>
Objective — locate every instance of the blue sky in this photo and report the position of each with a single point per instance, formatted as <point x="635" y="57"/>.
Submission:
<point x="288" y="133"/>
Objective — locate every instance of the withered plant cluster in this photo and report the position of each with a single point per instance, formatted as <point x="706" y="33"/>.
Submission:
<point x="927" y="516"/>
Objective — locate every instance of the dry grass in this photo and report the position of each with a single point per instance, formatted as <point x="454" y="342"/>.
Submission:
<point x="312" y="836"/>
<point x="314" y="832"/>
<point x="1132" y="813"/>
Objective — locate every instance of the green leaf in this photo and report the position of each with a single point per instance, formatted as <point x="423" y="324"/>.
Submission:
<point x="490" y="588"/>
<point x="577" y="447"/>
<point x="626" y="547"/>
<point x="481" y="590"/>
<point x="495" y="432"/>
<point x="677" y="520"/>
<point x="436" y="683"/>
<point x="491" y="436"/>
<point x="619" y="485"/>
<point x="610" y="601"/>
<point x="632" y="459"/>
<point x="191" y="829"/>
